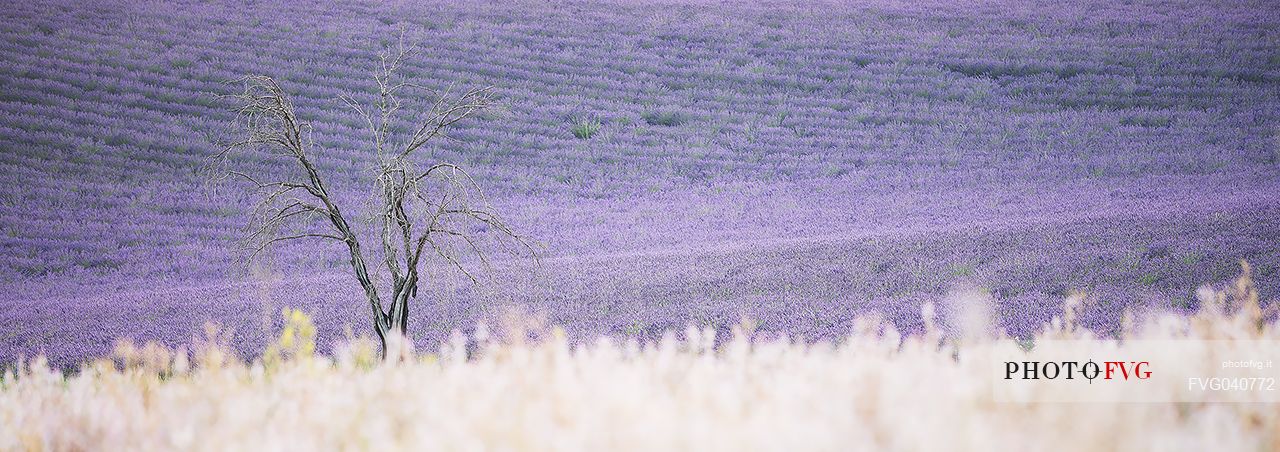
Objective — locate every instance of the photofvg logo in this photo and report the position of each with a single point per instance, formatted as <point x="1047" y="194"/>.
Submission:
<point x="1158" y="371"/>
<point x="1070" y="370"/>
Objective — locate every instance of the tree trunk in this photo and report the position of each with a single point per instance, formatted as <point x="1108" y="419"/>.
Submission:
<point x="397" y="321"/>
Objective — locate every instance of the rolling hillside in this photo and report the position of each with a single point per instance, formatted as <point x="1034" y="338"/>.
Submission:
<point x="798" y="164"/>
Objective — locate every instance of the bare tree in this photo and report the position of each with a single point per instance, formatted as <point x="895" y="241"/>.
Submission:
<point x="435" y="209"/>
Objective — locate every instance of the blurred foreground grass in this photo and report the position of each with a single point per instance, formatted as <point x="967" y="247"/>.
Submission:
<point x="533" y="391"/>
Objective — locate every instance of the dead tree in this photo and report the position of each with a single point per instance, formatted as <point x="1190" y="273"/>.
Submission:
<point x="423" y="210"/>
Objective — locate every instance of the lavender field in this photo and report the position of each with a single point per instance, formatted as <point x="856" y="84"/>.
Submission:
<point x="682" y="162"/>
